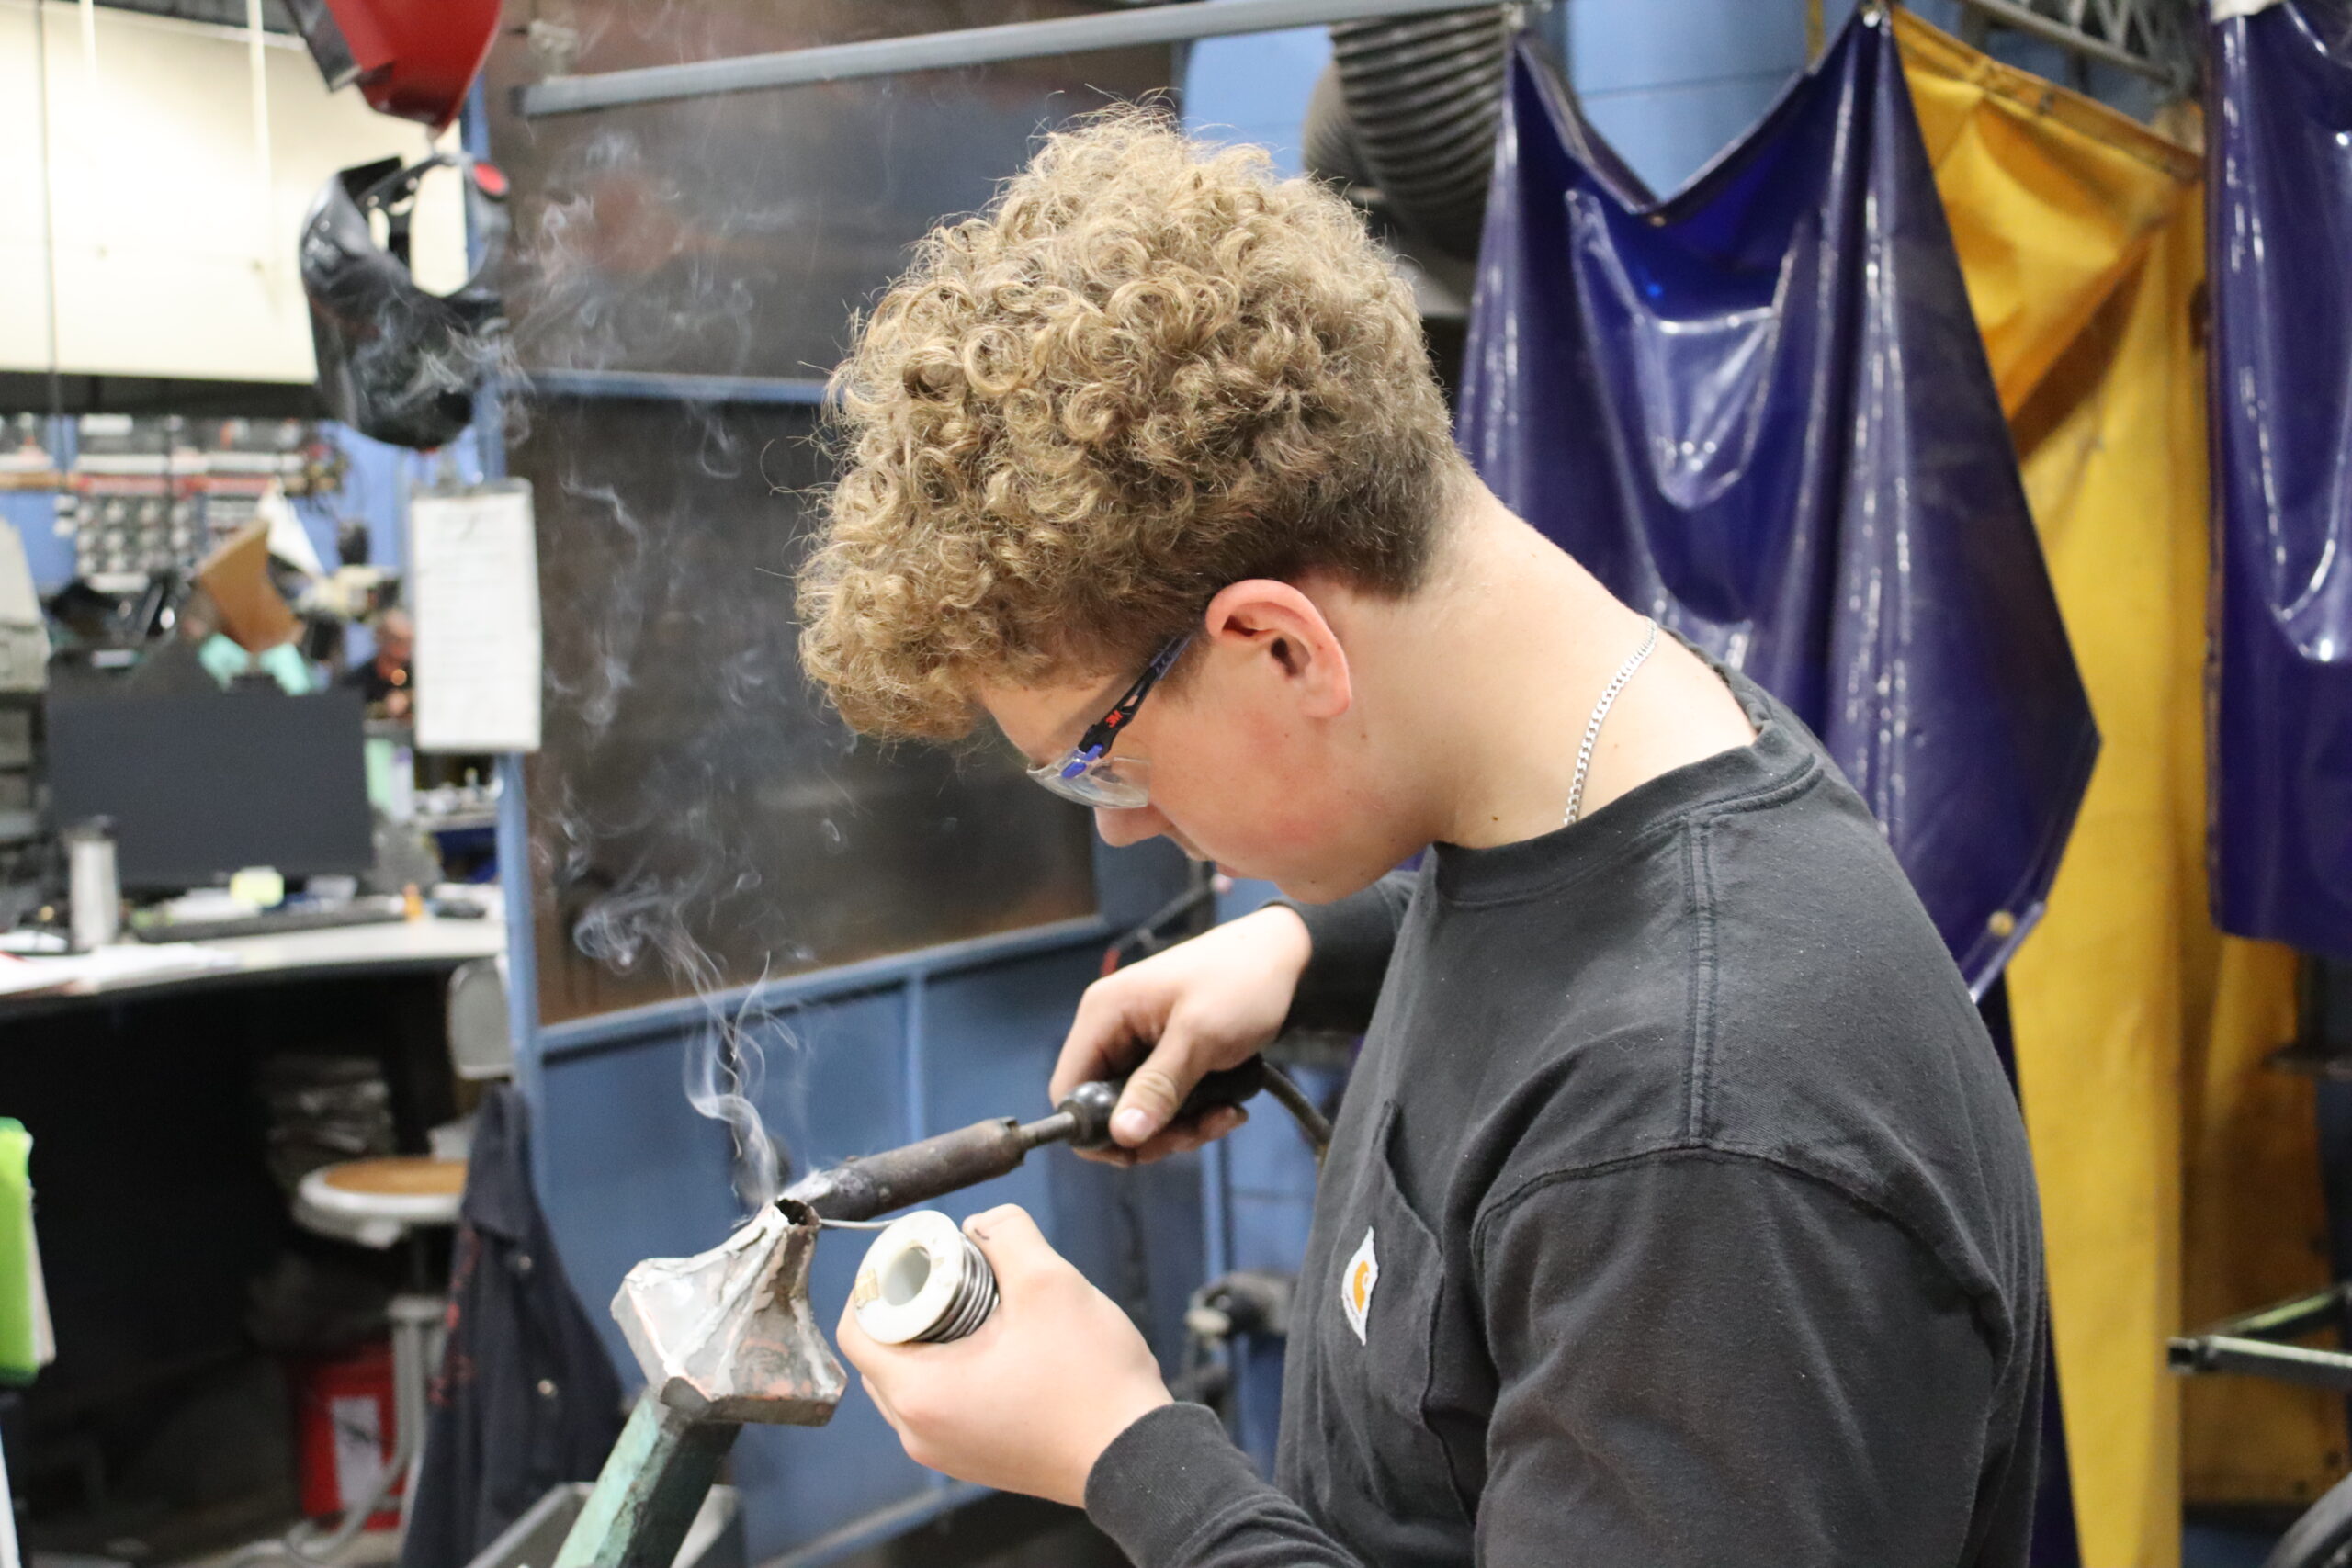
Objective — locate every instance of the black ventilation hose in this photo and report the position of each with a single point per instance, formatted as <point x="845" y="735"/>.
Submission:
<point x="1408" y="106"/>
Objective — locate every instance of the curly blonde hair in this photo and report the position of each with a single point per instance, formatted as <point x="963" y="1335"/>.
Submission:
<point x="1149" y="369"/>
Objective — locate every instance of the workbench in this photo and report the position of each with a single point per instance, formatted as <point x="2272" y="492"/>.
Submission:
<point x="430" y="945"/>
<point x="157" y="1212"/>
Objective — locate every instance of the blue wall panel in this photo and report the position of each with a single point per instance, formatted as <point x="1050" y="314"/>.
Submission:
<point x="833" y="1084"/>
<point x="630" y="1170"/>
<point x="990" y="1038"/>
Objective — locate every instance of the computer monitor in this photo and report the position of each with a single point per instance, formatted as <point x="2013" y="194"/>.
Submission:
<point x="199" y="786"/>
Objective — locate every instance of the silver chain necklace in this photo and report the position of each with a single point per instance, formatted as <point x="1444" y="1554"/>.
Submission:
<point x="1599" y="712"/>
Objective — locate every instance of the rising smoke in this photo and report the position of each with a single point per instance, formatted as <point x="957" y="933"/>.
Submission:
<point x="618" y="276"/>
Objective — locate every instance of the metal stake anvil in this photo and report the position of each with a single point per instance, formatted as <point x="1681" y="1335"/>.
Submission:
<point x="727" y="1336"/>
<point x="724" y="1337"/>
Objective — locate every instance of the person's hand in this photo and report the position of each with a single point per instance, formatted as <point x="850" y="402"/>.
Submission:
<point x="1212" y="1002"/>
<point x="1029" y="1400"/>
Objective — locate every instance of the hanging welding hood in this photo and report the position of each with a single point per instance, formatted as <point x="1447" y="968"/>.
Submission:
<point x="395" y="362"/>
<point x="414" y="59"/>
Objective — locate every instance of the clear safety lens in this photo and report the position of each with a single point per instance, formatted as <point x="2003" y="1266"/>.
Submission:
<point x="1119" y="783"/>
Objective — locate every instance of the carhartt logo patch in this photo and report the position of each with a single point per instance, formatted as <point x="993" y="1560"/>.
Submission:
<point x="1355" y="1285"/>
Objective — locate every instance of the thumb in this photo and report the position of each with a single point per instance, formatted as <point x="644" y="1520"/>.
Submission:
<point x="1017" y="1249"/>
<point x="1155" y="1091"/>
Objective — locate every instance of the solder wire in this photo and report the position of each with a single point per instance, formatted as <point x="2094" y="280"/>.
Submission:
<point x="923" y="1281"/>
<point x="974" y="1299"/>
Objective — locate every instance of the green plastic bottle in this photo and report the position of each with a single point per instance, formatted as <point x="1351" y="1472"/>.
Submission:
<point x="25" y="1340"/>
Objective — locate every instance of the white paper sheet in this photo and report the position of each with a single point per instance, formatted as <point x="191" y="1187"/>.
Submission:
<point x="289" y="540"/>
<point x="475" y="595"/>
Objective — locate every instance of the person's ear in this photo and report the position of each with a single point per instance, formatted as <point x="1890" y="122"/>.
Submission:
<point x="1275" y="624"/>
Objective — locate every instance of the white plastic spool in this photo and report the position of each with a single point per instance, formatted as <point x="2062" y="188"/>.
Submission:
<point x="923" y="1282"/>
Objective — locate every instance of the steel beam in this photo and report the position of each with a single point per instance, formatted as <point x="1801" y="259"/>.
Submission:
<point x="2290" y="1319"/>
<point x="2260" y="1357"/>
<point x="2050" y="29"/>
<point x="673" y="387"/>
<point x="962" y="46"/>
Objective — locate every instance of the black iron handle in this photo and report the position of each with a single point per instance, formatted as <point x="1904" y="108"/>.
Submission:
<point x="1090" y="1104"/>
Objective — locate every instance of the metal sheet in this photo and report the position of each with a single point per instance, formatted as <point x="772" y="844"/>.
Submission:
<point x="733" y="236"/>
<point x="2282" y="367"/>
<point x="697" y="816"/>
<point x="1761" y="412"/>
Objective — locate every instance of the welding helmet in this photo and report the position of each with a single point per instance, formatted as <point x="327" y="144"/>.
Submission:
<point x="414" y="59"/>
<point x="395" y="362"/>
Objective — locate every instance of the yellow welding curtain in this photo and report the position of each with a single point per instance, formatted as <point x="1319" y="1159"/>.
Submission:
<point x="2179" y="1175"/>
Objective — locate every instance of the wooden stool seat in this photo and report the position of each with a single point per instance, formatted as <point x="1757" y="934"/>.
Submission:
<point x="407" y="1176"/>
<point x="376" y="1202"/>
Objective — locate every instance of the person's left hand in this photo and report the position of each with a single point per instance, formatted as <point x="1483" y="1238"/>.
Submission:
<point x="1027" y="1402"/>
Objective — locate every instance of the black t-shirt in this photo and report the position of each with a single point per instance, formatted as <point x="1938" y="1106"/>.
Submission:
<point x="1678" y="1212"/>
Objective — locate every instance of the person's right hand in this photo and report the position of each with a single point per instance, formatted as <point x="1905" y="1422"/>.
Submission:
<point x="1212" y="1002"/>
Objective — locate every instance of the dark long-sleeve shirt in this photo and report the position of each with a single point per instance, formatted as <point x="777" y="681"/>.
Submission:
<point x="1678" y="1212"/>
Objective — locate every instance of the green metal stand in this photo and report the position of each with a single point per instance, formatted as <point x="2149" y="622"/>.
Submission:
<point x="650" y="1489"/>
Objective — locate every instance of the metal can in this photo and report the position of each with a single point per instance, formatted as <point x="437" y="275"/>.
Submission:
<point x="92" y="890"/>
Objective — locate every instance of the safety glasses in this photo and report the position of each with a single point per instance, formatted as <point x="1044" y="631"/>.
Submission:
<point x="1088" y="774"/>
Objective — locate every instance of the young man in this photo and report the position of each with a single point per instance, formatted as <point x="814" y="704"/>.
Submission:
<point x="1678" y="1212"/>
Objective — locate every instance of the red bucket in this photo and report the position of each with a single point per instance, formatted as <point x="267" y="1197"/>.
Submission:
<point x="342" y="1432"/>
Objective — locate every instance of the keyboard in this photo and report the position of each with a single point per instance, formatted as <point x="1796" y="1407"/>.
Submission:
<point x="276" y="922"/>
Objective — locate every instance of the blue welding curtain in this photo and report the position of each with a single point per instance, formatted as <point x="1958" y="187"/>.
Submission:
<point x="1760" y="411"/>
<point x="2282" y="245"/>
